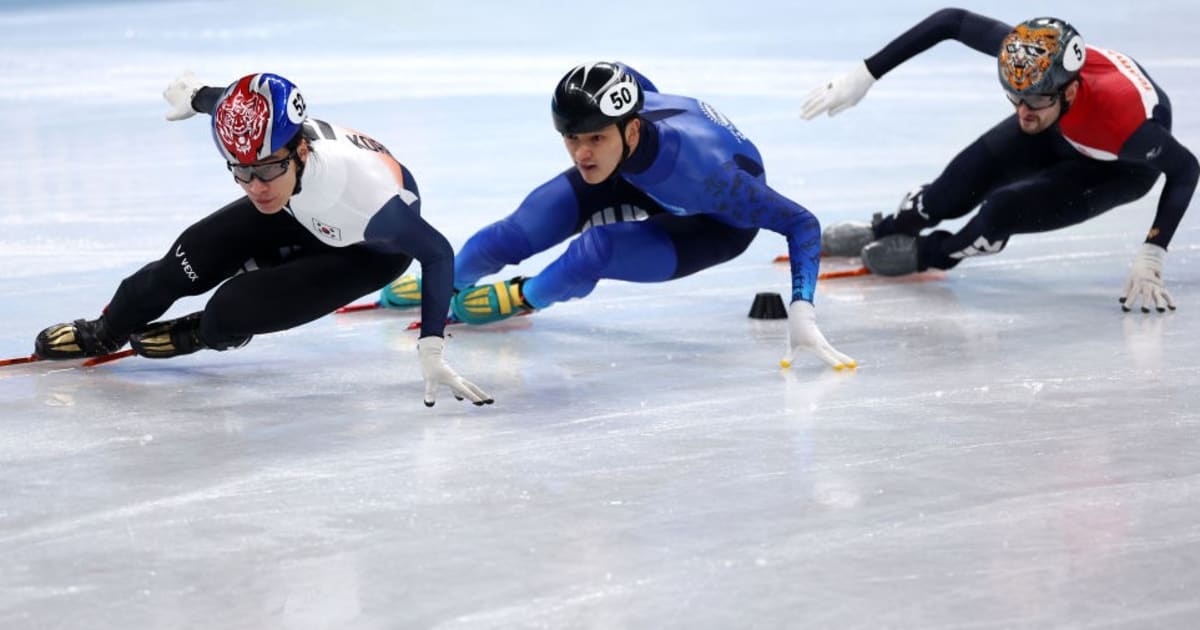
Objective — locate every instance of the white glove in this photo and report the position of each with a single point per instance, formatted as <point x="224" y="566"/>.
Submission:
<point x="839" y="94"/>
<point x="805" y="336"/>
<point x="179" y="96"/>
<point x="437" y="372"/>
<point x="1145" y="283"/>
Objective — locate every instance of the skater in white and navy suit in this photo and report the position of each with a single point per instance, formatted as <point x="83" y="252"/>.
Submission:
<point x="328" y="215"/>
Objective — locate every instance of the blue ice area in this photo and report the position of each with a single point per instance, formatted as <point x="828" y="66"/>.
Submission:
<point x="1013" y="452"/>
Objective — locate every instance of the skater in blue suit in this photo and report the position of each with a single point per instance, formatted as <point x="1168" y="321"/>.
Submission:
<point x="662" y="186"/>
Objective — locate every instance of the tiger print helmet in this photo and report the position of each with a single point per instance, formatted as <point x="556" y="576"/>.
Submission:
<point x="1040" y="56"/>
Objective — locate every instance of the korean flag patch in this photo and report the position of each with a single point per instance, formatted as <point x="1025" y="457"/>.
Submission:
<point x="326" y="230"/>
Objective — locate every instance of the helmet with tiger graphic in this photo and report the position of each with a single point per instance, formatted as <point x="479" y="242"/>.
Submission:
<point x="256" y="116"/>
<point x="1040" y="57"/>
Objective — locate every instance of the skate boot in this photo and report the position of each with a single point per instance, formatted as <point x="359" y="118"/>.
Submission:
<point x="894" y="255"/>
<point x="909" y="218"/>
<point x="848" y="237"/>
<point x="173" y="338"/>
<point x="404" y="292"/>
<point x="490" y="302"/>
<point x="77" y="340"/>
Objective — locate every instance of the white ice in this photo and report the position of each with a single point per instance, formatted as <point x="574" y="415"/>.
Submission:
<point x="1013" y="452"/>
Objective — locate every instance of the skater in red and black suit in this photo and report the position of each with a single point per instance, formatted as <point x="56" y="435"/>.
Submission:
<point x="1091" y="131"/>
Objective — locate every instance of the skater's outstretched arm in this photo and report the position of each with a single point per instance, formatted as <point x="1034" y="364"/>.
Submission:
<point x="843" y="92"/>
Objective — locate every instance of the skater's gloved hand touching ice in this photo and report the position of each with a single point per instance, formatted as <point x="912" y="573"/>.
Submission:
<point x="839" y="94"/>
<point x="437" y="372"/>
<point x="1145" y="282"/>
<point x="179" y="96"/>
<point x="804" y="336"/>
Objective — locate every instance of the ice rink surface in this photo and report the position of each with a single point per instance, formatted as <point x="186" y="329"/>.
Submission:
<point x="1013" y="452"/>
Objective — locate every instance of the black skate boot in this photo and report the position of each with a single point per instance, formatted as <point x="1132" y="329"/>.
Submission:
<point x="909" y="218"/>
<point x="77" y="340"/>
<point x="175" y="337"/>
<point x="170" y="338"/>
<point x="894" y="255"/>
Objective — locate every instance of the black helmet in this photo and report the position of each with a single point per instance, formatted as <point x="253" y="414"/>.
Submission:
<point x="594" y="96"/>
<point x="1040" y="56"/>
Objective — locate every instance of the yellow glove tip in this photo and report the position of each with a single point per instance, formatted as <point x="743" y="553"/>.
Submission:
<point x="785" y="364"/>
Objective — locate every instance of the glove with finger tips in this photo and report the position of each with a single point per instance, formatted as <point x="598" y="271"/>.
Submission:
<point x="804" y="336"/>
<point x="437" y="372"/>
<point x="840" y="94"/>
<point x="179" y="96"/>
<point x="1145" y="282"/>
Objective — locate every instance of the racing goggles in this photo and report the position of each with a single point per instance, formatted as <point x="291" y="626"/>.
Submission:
<point x="264" y="171"/>
<point x="1032" y="101"/>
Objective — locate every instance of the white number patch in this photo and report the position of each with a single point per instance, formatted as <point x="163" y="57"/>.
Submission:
<point x="1075" y="54"/>
<point x="619" y="99"/>
<point x="295" y="107"/>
